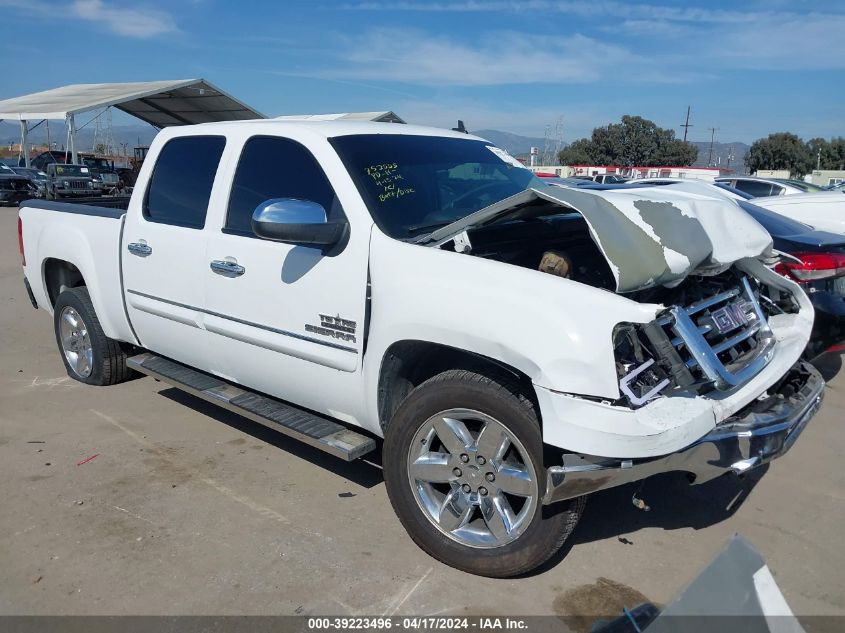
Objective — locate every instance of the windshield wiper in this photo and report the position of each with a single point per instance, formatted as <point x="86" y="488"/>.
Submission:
<point x="425" y="227"/>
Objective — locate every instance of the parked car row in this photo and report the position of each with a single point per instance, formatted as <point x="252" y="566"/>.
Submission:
<point x="767" y="187"/>
<point x="101" y="171"/>
<point x="15" y="187"/>
<point x="90" y="176"/>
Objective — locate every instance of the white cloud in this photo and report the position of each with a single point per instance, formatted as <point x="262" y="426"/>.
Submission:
<point x="809" y="42"/>
<point x="415" y="57"/>
<point x="600" y="7"/>
<point x="698" y="39"/>
<point x="136" y="22"/>
<point x="139" y="22"/>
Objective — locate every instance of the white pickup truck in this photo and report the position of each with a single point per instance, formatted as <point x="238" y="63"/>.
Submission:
<point x="517" y="346"/>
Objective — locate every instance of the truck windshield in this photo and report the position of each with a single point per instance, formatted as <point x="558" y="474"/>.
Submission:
<point x="71" y="170"/>
<point x="98" y="163"/>
<point x="415" y="184"/>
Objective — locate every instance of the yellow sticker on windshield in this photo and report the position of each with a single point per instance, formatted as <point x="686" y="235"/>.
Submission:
<point x="389" y="181"/>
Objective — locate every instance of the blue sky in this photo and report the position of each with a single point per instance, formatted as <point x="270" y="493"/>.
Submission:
<point x="746" y="68"/>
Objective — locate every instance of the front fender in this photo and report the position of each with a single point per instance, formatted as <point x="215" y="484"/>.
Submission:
<point x="556" y="331"/>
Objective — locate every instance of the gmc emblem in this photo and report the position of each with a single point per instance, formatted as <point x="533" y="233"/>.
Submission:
<point x="729" y="318"/>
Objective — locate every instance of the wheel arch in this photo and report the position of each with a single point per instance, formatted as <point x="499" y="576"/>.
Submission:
<point x="59" y="274"/>
<point x="408" y="363"/>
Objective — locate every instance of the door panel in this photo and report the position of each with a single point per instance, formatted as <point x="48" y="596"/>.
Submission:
<point x="298" y="337"/>
<point x="292" y="324"/>
<point x="164" y="250"/>
<point x="314" y="314"/>
<point x="164" y="293"/>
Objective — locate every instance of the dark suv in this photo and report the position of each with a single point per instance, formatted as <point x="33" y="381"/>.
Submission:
<point x="70" y="181"/>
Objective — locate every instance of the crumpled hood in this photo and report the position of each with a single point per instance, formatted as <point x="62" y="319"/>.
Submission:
<point x="660" y="237"/>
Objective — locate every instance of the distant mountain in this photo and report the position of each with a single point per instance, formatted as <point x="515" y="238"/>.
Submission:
<point x="132" y="135"/>
<point x="725" y="155"/>
<point x="512" y="143"/>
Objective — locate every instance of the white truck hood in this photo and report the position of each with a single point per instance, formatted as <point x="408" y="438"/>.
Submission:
<point x="649" y="238"/>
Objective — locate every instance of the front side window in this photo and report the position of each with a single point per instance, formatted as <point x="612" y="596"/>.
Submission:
<point x="180" y="186"/>
<point x="273" y="167"/>
<point x="414" y="184"/>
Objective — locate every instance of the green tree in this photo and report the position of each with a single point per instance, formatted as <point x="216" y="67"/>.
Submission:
<point x="781" y="150"/>
<point x="576" y="153"/>
<point x="837" y="154"/>
<point x="634" y="141"/>
<point x="826" y="154"/>
<point x="676" y="153"/>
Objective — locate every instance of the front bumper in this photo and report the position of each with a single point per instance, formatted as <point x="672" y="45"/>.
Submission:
<point x="755" y="435"/>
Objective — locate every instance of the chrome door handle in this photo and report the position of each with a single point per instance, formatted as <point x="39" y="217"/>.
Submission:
<point x="227" y="268"/>
<point x="140" y="249"/>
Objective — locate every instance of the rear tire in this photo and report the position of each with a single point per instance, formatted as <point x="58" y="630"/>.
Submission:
<point x="463" y="466"/>
<point x="88" y="354"/>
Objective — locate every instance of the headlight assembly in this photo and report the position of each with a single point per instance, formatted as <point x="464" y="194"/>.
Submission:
<point x="641" y="379"/>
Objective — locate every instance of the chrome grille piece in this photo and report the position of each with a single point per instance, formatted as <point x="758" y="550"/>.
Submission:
<point x="724" y="339"/>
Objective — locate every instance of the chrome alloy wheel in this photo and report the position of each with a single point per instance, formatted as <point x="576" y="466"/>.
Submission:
<point x="76" y="344"/>
<point x="472" y="478"/>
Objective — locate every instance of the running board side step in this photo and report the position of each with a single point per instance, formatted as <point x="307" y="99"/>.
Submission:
<point x="313" y="429"/>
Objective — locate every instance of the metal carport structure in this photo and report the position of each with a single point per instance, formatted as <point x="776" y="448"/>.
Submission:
<point x="159" y="103"/>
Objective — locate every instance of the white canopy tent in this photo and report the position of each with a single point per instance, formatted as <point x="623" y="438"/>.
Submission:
<point x="159" y="103"/>
<point x="385" y="116"/>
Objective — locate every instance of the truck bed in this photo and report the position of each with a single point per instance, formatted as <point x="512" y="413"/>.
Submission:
<point x="86" y="237"/>
<point x="103" y="206"/>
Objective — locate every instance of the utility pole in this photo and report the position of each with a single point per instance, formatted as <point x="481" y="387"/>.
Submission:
<point x="819" y="159"/>
<point x="712" y="137"/>
<point x="687" y="125"/>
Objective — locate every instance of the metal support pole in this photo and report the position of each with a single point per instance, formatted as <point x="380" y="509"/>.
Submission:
<point x="72" y="130"/>
<point x="25" y="142"/>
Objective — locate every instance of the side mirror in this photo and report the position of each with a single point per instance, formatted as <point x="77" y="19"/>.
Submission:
<point x="297" y="222"/>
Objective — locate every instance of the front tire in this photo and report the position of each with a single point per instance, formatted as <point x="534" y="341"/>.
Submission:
<point x="463" y="463"/>
<point x="88" y="354"/>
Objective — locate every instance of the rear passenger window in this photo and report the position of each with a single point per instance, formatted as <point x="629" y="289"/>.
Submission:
<point x="273" y="167"/>
<point x="182" y="179"/>
<point x="755" y="188"/>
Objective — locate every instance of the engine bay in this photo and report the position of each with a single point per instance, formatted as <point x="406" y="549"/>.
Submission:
<point x="551" y="239"/>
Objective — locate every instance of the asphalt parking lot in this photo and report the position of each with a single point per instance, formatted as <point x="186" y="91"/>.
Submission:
<point x="187" y="509"/>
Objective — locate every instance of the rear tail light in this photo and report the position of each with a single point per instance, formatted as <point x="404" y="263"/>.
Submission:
<point x="20" y="241"/>
<point x="813" y="266"/>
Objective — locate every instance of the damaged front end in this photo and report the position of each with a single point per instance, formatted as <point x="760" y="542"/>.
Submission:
<point x="715" y="335"/>
<point x="726" y="350"/>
